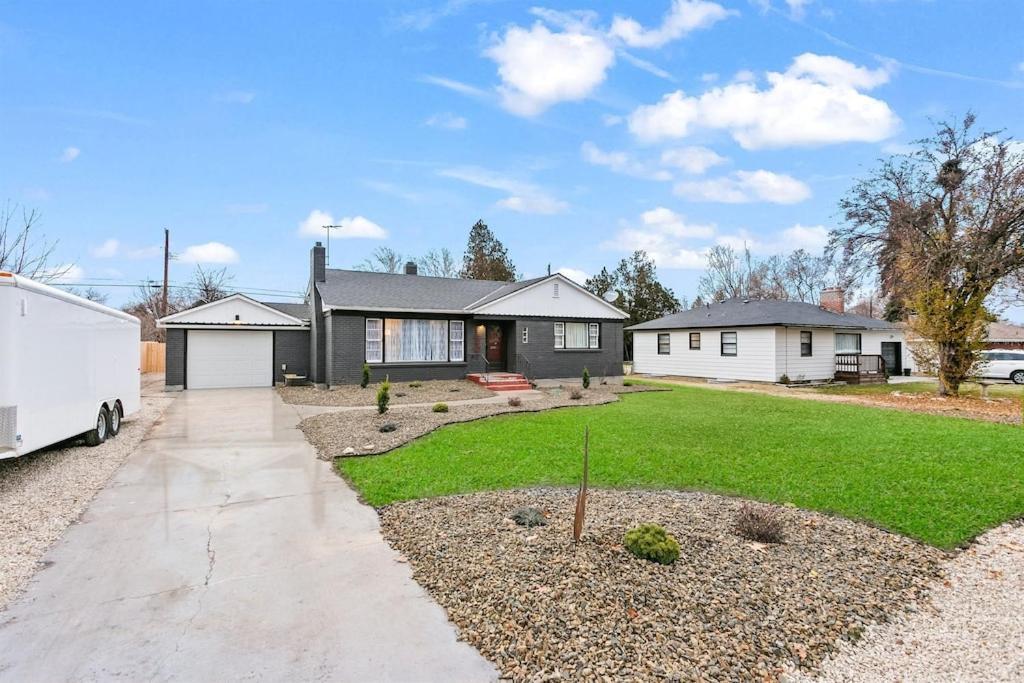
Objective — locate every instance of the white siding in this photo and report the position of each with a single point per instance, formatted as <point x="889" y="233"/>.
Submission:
<point x="540" y="299"/>
<point x="820" y="365"/>
<point x="754" y="359"/>
<point x="223" y="312"/>
<point x="871" y="344"/>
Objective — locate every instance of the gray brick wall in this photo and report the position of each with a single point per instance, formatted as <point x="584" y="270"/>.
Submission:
<point x="547" y="362"/>
<point x="291" y="347"/>
<point x="175" y="358"/>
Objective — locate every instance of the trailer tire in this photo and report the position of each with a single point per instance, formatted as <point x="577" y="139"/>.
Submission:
<point x="99" y="434"/>
<point x="114" y="423"/>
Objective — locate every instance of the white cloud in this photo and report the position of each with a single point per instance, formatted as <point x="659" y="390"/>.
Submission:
<point x="671" y="223"/>
<point x="575" y="274"/>
<point x="683" y="17"/>
<point x="108" y="249"/>
<point x="743" y="187"/>
<point x="694" y="160"/>
<point x="145" y="252"/>
<point x="817" y="101"/>
<point x="355" y="227"/>
<point x="69" y="154"/>
<point x="447" y="120"/>
<point x="539" y="68"/>
<point x="644" y="65"/>
<point x="211" y="252"/>
<point x="453" y="85"/>
<point x="235" y="97"/>
<point x="611" y="119"/>
<point x="524" y="197"/>
<point x="798" y="8"/>
<point x="813" y="238"/>
<point x="621" y="162"/>
<point x="710" y="77"/>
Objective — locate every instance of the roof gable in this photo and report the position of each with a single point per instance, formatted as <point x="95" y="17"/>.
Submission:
<point x="553" y="296"/>
<point x="237" y="309"/>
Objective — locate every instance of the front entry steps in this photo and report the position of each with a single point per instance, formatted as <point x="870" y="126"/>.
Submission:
<point x="500" y="381"/>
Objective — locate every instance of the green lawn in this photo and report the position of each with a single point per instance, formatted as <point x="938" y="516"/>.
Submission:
<point x="942" y="480"/>
<point x="967" y="389"/>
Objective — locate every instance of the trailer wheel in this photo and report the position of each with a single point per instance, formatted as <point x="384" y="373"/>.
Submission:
<point x="99" y="434"/>
<point x="115" y="419"/>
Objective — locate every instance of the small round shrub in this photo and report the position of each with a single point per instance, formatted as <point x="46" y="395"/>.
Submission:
<point x="415" y="385"/>
<point x="652" y="542"/>
<point x="784" y="379"/>
<point x="575" y="393"/>
<point x="387" y="427"/>
<point x="515" y="401"/>
<point x="761" y="523"/>
<point x="528" y="517"/>
<point x="440" y="408"/>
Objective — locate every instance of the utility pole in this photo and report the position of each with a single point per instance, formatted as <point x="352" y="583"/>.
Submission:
<point x="328" y="228"/>
<point x="167" y="258"/>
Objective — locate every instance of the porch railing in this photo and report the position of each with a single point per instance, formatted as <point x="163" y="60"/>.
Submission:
<point x="523" y="366"/>
<point x="859" y="364"/>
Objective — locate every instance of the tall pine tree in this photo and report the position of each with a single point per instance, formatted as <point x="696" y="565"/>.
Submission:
<point x="486" y="257"/>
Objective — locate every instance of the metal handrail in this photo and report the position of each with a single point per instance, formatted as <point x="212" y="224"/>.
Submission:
<point x="529" y="368"/>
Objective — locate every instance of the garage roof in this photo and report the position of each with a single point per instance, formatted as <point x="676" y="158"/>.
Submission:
<point x="235" y="311"/>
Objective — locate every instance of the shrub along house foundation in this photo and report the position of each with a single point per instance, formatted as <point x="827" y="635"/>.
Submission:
<point x="403" y="325"/>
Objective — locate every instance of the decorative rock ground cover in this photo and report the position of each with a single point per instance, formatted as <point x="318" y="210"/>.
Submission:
<point x="348" y="395"/>
<point x="728" y="609"/>
<point x="347" y="433"/>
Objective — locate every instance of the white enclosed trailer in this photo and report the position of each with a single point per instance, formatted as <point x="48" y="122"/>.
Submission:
<point x="68" y="367"/>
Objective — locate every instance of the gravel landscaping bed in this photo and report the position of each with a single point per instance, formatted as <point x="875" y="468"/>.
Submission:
<point x="358" y="433"/>
<point x="728" y="609"/>
<point x="354" y="395"/>
<point x="44" y="492"/>
<point x="970" y="629"/>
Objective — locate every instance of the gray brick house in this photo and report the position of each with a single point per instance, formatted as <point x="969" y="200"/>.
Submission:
<point x="406" y="326"/>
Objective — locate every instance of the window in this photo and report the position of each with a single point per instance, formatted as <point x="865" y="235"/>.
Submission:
<point x="729" y="345"/>
<point x="577" y="335"/>
<point x="805" y="344"/>
<point x="374" y="348"/>
<point x="847" y="343"/>
<point x="415" y="340"/>
<point x="664" y="343"/>
<point x="526" y="335"/>
<point x="456" y="340"/>
<point x="695" y="341"/>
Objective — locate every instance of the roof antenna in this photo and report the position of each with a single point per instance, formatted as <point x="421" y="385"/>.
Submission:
<point x="549" y="269"/>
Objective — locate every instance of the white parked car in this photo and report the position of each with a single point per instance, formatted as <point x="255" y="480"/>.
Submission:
<point x="1003" y="364"/>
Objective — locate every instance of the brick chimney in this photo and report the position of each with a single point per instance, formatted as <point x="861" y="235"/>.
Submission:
<point x="410" y="268"/>
<point x="317" y="263"/>
<point x="834" y="299"/>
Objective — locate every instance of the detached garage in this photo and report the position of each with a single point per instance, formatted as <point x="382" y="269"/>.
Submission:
<point x="236" y="342"/>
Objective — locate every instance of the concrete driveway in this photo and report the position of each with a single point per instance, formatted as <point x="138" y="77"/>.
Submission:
<point x="224" y="550"/>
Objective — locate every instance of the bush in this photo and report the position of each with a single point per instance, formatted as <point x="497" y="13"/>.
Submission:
<point x="387" y="427"/>
<point x="586" y="378"/>
<point x="384" y="396"/>
<point x="528" y="517"/>
<point x="761" y="523"/>
<point x="651" y="542"/>
<point x="575" y="393"/>
<point x="366" y="376"/>
<point x="783" y="378"/>
<point x="440" y="408"/>
<point x="515" y="401"/>
<point x="415" y="385"/>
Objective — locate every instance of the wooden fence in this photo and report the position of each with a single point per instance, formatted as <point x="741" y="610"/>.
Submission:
<point x="152" y="356"/>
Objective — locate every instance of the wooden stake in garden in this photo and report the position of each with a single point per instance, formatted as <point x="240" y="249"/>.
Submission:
<point x="581" y="497"/>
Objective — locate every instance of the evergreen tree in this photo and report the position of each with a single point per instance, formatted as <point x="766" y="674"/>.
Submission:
<point x="486" y="257"/>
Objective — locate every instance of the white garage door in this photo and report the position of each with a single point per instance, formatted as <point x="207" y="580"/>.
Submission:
<point x="219" y="359"/>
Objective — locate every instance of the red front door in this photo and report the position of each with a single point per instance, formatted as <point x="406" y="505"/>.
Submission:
<point x="495" y="347"/>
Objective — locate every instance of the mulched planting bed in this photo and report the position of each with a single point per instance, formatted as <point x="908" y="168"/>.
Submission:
<point x="359" y="432"/>
<point x="350" y="395"/>
<point x="728" y="609"/>
<point x="1005" y="410"/>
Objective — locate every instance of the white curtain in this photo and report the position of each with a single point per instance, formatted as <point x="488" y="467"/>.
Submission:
<point x="576" y="336"/>
<point x="847" y="343"/>
<point x="415" y="340"/>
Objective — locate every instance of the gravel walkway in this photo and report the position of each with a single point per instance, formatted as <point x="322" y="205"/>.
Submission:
<point x="44" y="492"/>
<point x="401" y="392"/>
<point x="971" y="629"/>
<point x="349" y="433"/>
<point x="729" y="609"/>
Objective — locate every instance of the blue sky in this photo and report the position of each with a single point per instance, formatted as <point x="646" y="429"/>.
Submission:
<point x="578" y="132"/>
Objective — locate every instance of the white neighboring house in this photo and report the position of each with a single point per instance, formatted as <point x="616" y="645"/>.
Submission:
<point x="763" y="340"/>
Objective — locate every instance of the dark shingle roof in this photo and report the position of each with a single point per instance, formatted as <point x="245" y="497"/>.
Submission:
<point x="736" y="313"/>
<point x="357" y="289"/>
<point x="300" y="311"/>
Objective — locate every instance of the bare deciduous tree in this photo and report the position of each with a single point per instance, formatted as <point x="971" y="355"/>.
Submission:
<point x="209" y="285"/>
<point x="798" y="276"/>
<point x="148" y="308"/>
<point x="20" y="252"/>
<point x="438" y="263"/>
<point x="382" y="260"/>
<point x="90" y="293"/>
<point x="944" y="228"/>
